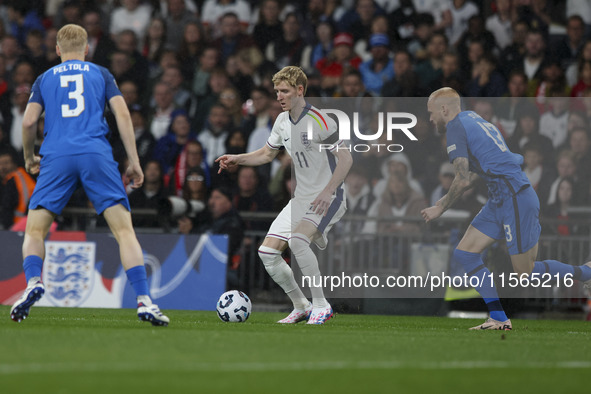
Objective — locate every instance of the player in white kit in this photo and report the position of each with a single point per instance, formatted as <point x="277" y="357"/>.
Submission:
<point x="321" y="162"/>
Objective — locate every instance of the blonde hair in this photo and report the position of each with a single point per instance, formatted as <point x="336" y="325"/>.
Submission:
<point x="72" y="38"/>
<point x="293" y="76"/>
<point x="446" y="96"/>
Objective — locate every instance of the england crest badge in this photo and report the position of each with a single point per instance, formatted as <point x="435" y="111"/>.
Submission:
<point x="68" y="272"/>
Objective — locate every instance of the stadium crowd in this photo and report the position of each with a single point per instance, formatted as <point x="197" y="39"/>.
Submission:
<point x="196" y="76"/>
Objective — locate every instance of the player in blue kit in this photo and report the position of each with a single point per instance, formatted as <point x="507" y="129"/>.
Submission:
<point x="75" y="151"/>
<point x="476" y="148"/>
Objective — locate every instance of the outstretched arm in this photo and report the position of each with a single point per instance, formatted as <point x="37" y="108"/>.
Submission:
<point x="463" y="180"/>
<point x="322" y="201"/>
<point x="258" y="157"/>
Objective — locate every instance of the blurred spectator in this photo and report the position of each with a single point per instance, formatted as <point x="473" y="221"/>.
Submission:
<point x="286" y="186"/>
<point x="269" y="25"/>
<point x="144" y="140"/>
<point x="486" y="80"/>
<point x="421" y="34"/>
<point x="553" y="123"/>
<point x="357" y="21"/>
<point x="232" y="39"/>
<point x="584" y="81"/>
<point x="230" y="99"/>
<point x="397" y="200"/>
<point x="183" y="98"/>
<point x="169" y="147"/>
<point x="50" y="43"/>
<point x="572" y="72"/>
<point x="359" y="197"/>
<point x="131" y="15"/>
<point x="258" y="115"/>
<point x="450" y="76"/>
<point x="352" y="87"/>
<point x="379" y="25"/>
<point x="579" y="142"/>
<point x="540" y="175"/>
<point x="510" y="56"/>
<point x="224" y="220"/>
<point x="218" y="81"/>
<point x="160" y="117"/>
<point x="324" y="42"/>
<point x="533" y="60"/>
<point x="190" y="157"/>
<point x="148" y="195"/>
<point x="340" y="59"/>
<point x="563" y="200"/>
<point x="379" y="69"/>
<point x="552" y="84"/>
<point x="17" y="188"/>
<point x="476" y="33"/>
<point x="241" y="70"/>
<point x="154" y="42"/>
<point x="405" y="81"/>
<point x="23" y="73"/>
<point x="461" y="12"/>
<point x="71" y="12"/>
<point x="566" y="166"/>
<point x="11" y="51"/>
<point x="214" y="12"/>
<point x="567" y="50"/>
<point x="213" y="136"/>
<point x="507" y="107"/>
<point x="499" y="24"/>
<point x="177" y="16"/>
<point x="20" y="98"/>
<point x="126" y="42"/>
<point x="429" y="69"/>
<point x="288" y="48"/>
<point x="35" y="52"/>
<point x="396" y="164"/>
<point x="207" y="63"/>
<point x="251" y="197"/>
<point x="195" y="189"/>
<point x="100" y="44"/>
<point x="129" y="91"/>
<point x="527" y="130"/>
<point x="190" y="49"/>
<point x="439" y="9"/>
<point x="22" y="20"/>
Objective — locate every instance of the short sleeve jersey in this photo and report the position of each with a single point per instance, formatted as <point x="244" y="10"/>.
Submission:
<point x="73" y="95"/>
<point x="310" y="141"/>
<point x="472" y="137"/>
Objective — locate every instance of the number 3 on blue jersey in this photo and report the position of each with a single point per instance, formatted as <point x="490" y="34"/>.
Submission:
<point x="494" y="133"/>
<point x="76" y="94"/>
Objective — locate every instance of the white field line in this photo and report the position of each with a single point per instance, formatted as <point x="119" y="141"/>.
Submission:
<point x="70" y="367"/>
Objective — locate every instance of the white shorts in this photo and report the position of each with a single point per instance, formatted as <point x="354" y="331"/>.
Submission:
<point x="297" y="210"/>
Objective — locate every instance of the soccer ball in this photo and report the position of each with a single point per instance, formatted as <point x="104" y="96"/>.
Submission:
<point x="234" y="306"/>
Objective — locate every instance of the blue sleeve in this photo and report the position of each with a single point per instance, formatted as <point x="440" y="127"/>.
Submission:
<point x="111" y="89"/>
<point x="457" y="141"/>
<point x="35" y="96"/>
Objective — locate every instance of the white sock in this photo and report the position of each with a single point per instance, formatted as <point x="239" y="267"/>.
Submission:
<point x="33" y="280"/>
<point x="146" y="300"/>
<point x="308" y="263"/>
<point x="282" y="274"/>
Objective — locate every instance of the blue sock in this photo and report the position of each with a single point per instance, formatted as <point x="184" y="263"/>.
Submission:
<point x="139" y="280"/>
<point x="474" y="266"/>
<point x="32" y="266"/>
<point x="553" y="267"/>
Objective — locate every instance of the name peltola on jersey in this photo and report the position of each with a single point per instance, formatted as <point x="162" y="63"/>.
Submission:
<point x="70" y="67"/>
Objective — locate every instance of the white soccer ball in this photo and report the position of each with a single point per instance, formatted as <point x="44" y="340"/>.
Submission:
<point x="234" y="306"/>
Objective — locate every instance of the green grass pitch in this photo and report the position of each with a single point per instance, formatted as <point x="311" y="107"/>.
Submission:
<point x="62" y="350"/>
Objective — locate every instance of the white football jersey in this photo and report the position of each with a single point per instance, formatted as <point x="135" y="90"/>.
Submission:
<point x="312" y="158"/>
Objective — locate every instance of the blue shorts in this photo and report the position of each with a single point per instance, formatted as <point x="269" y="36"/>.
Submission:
<point x="516" y="218"/>
<point x="60" y="176"/>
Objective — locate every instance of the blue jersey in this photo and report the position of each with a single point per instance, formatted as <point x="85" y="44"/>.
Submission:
<point x="472" y="137"/>
<point x="74" y="95"/>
